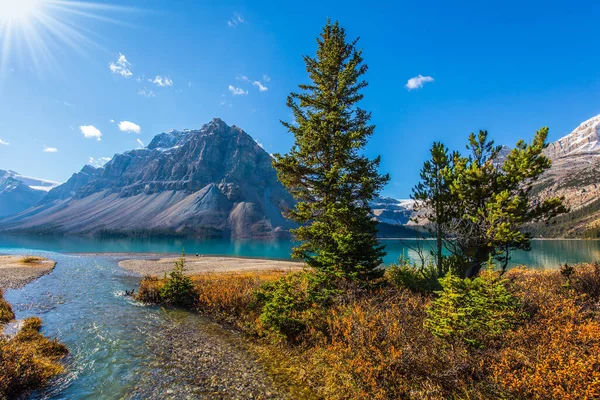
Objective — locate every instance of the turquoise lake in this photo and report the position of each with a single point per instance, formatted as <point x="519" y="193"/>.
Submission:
<point x="544" y="253"/>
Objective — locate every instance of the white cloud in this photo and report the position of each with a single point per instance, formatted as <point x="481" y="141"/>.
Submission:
<point x="2" y="142"/>
<point x="260" y="86"/>
<point x="67" y="104"/>
<point x="146" y="93"/>
<point x="140" y="143"/>
<point x="235" y="20"/>
<point x="98" y="162"/>
<point x="90" y="132"/>
<point x="417" y="82"/>
<point x="121" y="67"/>
<point x="126" y="126"/>
<point x="112" y="121"/>
<point x="266" y="78"/>
<point x="50" y="149"/>
<point x="237" y="91"/>
<point x="161" y="81"/>
<point x="242" y="78"/>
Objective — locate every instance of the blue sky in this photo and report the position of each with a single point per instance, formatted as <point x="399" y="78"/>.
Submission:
<point x="509" y="67"/>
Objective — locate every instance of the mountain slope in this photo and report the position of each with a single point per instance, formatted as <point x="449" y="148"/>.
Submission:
<point x="212" y="181"/>
<point x="16" y="195"/>
<point x="575" y="174"/>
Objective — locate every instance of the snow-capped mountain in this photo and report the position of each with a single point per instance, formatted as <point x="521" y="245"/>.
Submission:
<point x="392" y="211"/>
<point x="575" y="175"/>
<point x="18" y="192"/>
<point x="585" y="139"/>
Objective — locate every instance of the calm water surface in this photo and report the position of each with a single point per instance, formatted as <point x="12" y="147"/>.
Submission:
<point x="110" y="337"/>
<point x="544" y="253"/>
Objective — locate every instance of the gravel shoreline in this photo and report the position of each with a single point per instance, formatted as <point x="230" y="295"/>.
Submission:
<point x="203" y="264"/>
<point x="204" y="361"/>
<point x="15" y="274"/>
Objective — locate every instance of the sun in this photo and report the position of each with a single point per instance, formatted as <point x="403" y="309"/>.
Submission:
<point x="18" y="10"/>
<point x="33" y="32"/>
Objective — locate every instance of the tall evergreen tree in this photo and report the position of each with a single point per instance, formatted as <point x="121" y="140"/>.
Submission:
<point x="433" y="199"/>
<point x="325" y="170"/>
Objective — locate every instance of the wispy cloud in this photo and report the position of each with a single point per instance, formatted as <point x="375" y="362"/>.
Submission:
<point x="112" y="121"/>
<point x="417" y="82"/>
<point x="237" y="91"/>
<point x="146" y="92"/>
<point x="266" y="78"/>
<point x="140" y="143"/>
<point x="161" y="81"/>
<point x="91" y="132"/>
<point x="242" y="78"/>
<point x="67" y="104"/>
<point x="127" y="126"/>
<point x="98" y="162"/>
<point x="121" y="67"/>
<point x="260" y="86"/>
<point x="50" y="149"/>
<point x="235" y="20"/>
<point x="2" y="142"/>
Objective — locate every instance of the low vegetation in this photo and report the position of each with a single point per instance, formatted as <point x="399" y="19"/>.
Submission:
<point x="526" y="334"/>
<point x="28" y="360"/>
<point x="31" y="260"/>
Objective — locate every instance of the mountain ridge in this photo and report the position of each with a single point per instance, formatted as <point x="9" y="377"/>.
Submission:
<point x="212" y="181"/>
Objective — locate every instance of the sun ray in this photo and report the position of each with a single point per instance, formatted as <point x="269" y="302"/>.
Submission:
<point x="32" y="32"/>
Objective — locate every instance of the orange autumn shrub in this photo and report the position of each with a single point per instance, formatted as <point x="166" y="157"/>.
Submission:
<point x="379" y="349"/>
<point x="556" y="355"/>
<point x="28" y="360"/>
<point x="229" y="295"/>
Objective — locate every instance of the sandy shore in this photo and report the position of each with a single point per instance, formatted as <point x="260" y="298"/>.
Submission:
<point x="199" y="265"/>
<point x="15" y="274"/>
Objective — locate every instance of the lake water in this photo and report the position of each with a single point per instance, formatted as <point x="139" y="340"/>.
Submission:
<point x="544" y="253"/>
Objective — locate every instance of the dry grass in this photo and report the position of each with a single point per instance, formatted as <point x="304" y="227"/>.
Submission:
<point x="31" y="260"/>
<point x="28" y="360"/>
<point x="374" y="344"/>
<point x="6" y="312"/>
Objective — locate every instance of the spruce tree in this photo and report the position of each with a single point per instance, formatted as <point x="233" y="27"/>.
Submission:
<point x="434" y="202"/>
<point x="325" y="169"/>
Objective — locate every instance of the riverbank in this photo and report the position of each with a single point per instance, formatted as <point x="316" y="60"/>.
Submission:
<point x="17" y="271"/>
<point x="207" y="264"/>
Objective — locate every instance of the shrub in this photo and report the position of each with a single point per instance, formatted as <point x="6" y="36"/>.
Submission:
<point x="403" y="274"/>
<point x="230" y="297"/>
<point x="556" y="355"/>
<point x="178" y="288"/>
<point x="586" y="280"/>
<point x="28" y="360"/>
<point x="31" y="260"/>
<point x="149" y="290"/>
<point x="6" y="312"/>
<point x="472" y="310"/>
<point x="290" y="304"/>
<point x="378" y="348"/>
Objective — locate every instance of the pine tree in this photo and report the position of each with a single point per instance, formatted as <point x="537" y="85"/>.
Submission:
<point x="495" y="201"/>
<point x="433" y="199"/>
<point x="325" y="170"/>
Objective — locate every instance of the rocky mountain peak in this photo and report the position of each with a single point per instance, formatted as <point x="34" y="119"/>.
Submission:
<point x="212" y="180"/>
<point x="585" y="139"/>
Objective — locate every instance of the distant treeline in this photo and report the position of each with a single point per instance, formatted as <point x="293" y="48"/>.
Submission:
<point x="202" y="232"/>
<point x="560" y="226"/>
